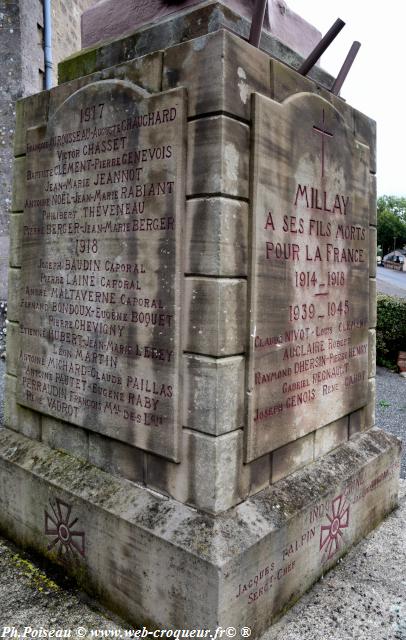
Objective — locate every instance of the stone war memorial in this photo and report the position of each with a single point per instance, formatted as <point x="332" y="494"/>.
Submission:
<point x="190" y="390"/>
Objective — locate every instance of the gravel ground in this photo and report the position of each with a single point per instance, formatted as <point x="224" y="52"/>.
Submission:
<point x="391" y="406"/>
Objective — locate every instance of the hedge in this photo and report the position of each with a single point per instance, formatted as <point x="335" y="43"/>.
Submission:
<point x="390" y="329"/>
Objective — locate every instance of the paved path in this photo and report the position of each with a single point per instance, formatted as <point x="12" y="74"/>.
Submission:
<point x="391" y="282"/>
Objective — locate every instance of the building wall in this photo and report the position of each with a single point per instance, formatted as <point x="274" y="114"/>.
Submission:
<point x="21" y="75"/>
<point x="66" y="28"/>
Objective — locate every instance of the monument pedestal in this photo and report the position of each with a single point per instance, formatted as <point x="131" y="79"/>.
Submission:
<point x="190" y="383"/>
<point x="165" y="565"/>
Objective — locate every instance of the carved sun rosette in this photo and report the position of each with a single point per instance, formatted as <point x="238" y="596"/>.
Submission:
<point x="61" y="527"/>
<point x="331" y="535"/>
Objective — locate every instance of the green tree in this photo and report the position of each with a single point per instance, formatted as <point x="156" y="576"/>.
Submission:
<point x="391" y="223"/>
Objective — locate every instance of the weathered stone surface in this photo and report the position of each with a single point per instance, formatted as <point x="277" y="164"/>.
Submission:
<point x="17" y="417"/>
<point x="186" y="25"/>
<point x="309" y="304"/>
<point x="65" y="437"/>
<point x="107" y="20"/>
<point x="372" y="205"/>
<point x="372" y="251"/>
<point x="16" y="237"/>
<point x="14" y="284"/>
<point x="292" y="456"/>
<point x="13" y="347"/>
<point x="215" y="316"/>
<point x="17" y="203"/>
<point x="357" y="422"/>
<point x="30" y="112"/>
<point x="209" y="476"/>
<point x="144" y="71"/>
<point x="116" y="457"/>
<point x="330" y="437"/>
<point x="234" y="67"/>
<point x="365" y="130"/>
<point x="251" y="563"/>
<point x="218" y="163"/>
<point x="207" y="407"/>
<point x="372" y="302"/>
<point x="371" y="353"/>
<point x="286" y="82"/>
<point x="216" y="237"/>
<point x="370" y="417"/>
<point x="106" y="329"/>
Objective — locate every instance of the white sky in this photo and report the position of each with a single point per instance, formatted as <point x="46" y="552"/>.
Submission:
<point x="376" y="84"/>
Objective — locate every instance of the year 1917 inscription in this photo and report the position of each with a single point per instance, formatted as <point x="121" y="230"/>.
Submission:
<point x="101" y="266"/>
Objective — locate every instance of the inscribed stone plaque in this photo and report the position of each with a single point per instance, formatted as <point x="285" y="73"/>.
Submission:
<point x="308" y="363"/>
<point x="101" y="271"/>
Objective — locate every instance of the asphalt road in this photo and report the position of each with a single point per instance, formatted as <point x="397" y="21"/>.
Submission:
<point x="391" y="282"/>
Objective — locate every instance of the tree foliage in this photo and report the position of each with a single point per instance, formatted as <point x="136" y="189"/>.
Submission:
<point x="391" y="223"/>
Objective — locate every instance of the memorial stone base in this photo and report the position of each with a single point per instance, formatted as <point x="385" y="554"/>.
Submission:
<point x="190" y="389"/>
<point x="162" y="564"/>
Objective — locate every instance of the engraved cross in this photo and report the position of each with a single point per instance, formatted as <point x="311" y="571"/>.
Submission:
<point x="324" y="134"/>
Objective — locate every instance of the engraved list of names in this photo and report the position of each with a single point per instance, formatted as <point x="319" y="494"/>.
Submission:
<point x="308" y="362"/>
<point x="100" y="292"/>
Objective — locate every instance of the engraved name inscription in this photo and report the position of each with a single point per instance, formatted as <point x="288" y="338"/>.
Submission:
<point x="309" y="296"/>
<point x="101" y="267"/>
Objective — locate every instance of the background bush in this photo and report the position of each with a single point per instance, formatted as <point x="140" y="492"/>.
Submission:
<point x="390" y="330"/>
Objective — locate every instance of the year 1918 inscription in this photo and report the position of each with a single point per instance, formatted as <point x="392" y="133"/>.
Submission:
<point x="308" y="362"/>
<point x="101" y="266"/>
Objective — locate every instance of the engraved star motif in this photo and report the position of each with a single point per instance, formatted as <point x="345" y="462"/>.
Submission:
<point x="330" y="535"/>
<point x="60" y="526"/>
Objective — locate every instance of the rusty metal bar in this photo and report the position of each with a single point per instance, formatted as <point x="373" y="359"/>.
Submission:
<point x="345" y="69"/>
<point x="257" y="22"/>
<point x="320" y="48"/>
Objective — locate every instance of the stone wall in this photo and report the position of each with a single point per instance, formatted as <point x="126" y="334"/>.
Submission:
<point x="21" y="75"/>
<point x="66" y="29"/>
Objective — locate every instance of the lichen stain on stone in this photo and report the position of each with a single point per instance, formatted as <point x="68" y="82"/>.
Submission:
<point x="231" y="160"/>
<point x="242" y="85"/>
<point x="199" y="44"/>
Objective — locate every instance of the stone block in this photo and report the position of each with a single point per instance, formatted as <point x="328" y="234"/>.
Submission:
<point x="17" y="202"/>
<point x="216" y="237"/>
<point x="215" y="316"/>
<point x="373" y="198"/>
<point x="214" y="398"/>
<point x="365" y="131"/>
<point x="16" y="235"/>
<point x="145" y="72"/>
<point x="292" y="456"/>
<point x="357" y="422"/>
<point x="371" y="353"/>
<point x="285" y="82"/>
<point x="159" y="557"/>
<point x="257" y="474"/>
<point x="372" y="251"/>
<point x="218" y="162"/>
<point x="330" y="437"/>
<point x="116" y="457"/>
<point x="14" y="284"/>
<point x="13" y="347"/>
<point x="65" y="437"/>
<point x="30" y="112"/>
<point x="372" y="302"/>
<point x="370" y="412"/>
<point x="220" y="71"/>
<point x="209" y="476"/>
<point x="17" y="417"/>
